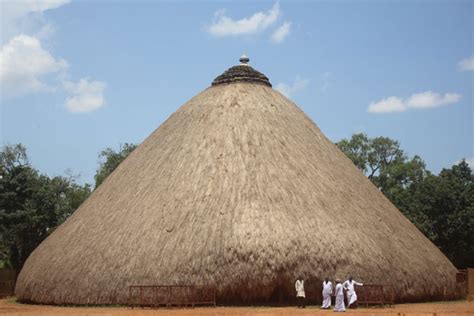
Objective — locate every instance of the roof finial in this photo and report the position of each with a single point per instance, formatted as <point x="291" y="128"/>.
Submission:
<point x="244" y="60"/>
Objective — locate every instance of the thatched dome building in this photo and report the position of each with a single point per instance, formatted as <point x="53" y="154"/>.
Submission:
<point x="238" y="188"/>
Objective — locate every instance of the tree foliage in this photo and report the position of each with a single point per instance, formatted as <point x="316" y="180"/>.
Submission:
<point x="441" y="206"/>
<point x="31" y="204"/>
<point x="109" y="159"/>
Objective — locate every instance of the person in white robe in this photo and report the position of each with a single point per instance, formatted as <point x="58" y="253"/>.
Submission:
<point x="349" y="285"/>
<point x="339" y="305"/>
<point x="300" y="295"/>
<point x="327" y="292"/>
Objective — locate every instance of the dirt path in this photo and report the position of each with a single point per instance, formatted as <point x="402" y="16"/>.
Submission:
<point x="462" y="308"/>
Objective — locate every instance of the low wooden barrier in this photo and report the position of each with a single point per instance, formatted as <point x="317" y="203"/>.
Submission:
<point x="7" y="282"/>
<point x="376" y="294"/>
<point x="470" y="284"/>
<point x="171" y="295"/>
<point x="462" y="286"/>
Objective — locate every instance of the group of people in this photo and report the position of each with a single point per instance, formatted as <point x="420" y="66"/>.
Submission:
<point x="328" y="291"/>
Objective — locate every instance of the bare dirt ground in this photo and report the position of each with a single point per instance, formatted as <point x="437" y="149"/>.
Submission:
<point x="462" y="308"/>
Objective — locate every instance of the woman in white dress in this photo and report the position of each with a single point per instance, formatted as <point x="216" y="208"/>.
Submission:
<point x="327" y="292"/>
<point x="339" y="305"/>
<point x="349" y="285"/>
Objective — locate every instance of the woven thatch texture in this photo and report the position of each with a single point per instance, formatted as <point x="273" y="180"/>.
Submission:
<point x="241" y="73"/>
<point x="241" y="189"/>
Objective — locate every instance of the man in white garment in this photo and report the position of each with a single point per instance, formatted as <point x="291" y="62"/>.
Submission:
<point x="327" y="292"/>
<point x="339" y="304"/>
<point x="300" y="295"/>
<point x="349" y="285"/>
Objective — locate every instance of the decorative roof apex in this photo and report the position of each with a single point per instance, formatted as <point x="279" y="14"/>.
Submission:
<point x="242" y="73"/>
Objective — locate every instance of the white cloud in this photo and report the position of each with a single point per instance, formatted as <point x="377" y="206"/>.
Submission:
<point x="281" y="33"/>
<point x="24" y="65"/>
<point x="26" y="16"/>
<point x="467" y="64"/>
<point x="288" y="90"/>
<point x="226" y="26"/>
<point x="430" y="99"/>
<point x="17" y="9"/>
<point x="390" y="104"/>
<point x="423" y="100"/>
<point x="87" y="96"/>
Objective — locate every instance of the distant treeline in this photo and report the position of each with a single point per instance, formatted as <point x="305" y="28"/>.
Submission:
<point x="441" y="206"/>
<point x="32" y="204"/>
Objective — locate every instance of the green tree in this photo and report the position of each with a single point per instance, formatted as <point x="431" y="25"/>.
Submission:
<point x="376" y="157"/>
<point x="441" y="206"/>
<point x="357" y="150"/>
<point x="109" y="159"/>
<point x="452" y="213"/>
<point x="31" y="204"/>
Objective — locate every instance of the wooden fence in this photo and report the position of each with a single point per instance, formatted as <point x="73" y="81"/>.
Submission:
<point x="7" y="282"/>
<point x="470" y="284"/>
<point x="171" y="295"/>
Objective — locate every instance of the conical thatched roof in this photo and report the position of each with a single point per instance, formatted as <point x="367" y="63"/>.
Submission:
<point x="238" y="188"/>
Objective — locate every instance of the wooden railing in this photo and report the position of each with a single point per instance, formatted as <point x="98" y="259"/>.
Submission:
<point x="7" y="282"/>
<point x="171" y="295"/>
<point x="382" y="294"/>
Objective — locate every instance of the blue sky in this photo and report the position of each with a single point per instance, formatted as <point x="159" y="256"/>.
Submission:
<point x="77" y="77"/>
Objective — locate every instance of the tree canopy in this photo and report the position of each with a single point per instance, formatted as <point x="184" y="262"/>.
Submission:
<point x="441" y="206"/>
<point x="31" y="204"/>
<point x="109" y="159"/>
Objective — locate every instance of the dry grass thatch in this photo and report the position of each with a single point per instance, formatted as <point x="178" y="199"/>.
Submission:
<point x="241" y="189"/>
